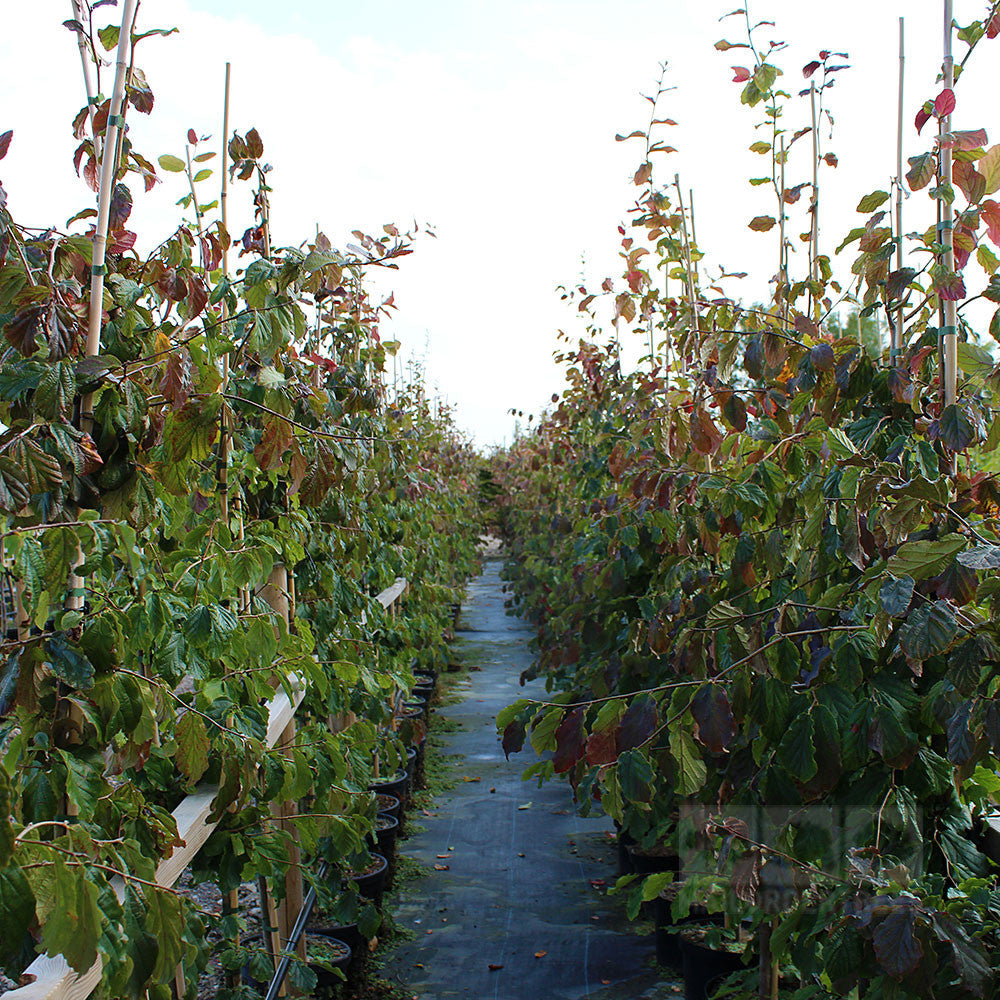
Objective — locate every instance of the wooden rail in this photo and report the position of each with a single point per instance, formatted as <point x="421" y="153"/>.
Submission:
<point x="53" y="979"/>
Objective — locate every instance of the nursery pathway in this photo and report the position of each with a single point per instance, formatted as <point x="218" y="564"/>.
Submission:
<point x="523" y="873"/>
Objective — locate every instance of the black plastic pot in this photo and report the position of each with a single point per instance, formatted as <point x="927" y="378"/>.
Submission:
<point x="425" y="692"/>
<point x="668" y="934"/>
<point x="650" y="864"/>
<point x="371" y="885"/>
<point x="625" y="865"/>
<point x="394" y="784"/>
<point x="414" y="710"/>
<point x="420" y="746"/>
<point x="325" y="977"/>
<point x="411" y="765"/>
<point x="704" y="968"/>
<point x="427" y="677"/>
<point x="352" y="937"/>
<point x="384" y="838"/>
<point x="389" y="805"/>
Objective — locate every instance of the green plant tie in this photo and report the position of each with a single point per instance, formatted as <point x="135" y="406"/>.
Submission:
<point x="118" y="120"/>
<point x="94" y="101"/>
<point x="98" y="269"/>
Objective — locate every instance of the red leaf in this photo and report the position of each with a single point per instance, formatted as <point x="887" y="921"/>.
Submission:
<point x="494" y="968"/>
<point x="705" y="436"/>
<point x="569" y="741"/>
<point x="923" y="117"/>
<point x="991" y="216"/>
<point x="714" y="717"/>
<point x="637" y="724"/>
<point x="810" y="68"/>
<point x="831" y="159"/>
<point x="124" y="240"/>
<point x="944" y="103"/>
<point x="513" y="738"/>
<point x="993" y="28"/>
<point x="741" y="74"/>
<point x="5" y="143"/>
<point x="601" y="748"/>
<point x="192" y="137"/>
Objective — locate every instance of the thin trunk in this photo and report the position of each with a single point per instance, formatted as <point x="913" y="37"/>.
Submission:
<point x="695" y="321"/>
<point x="814" y="229"/>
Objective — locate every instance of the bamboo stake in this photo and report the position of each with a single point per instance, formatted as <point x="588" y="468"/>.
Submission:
<point x="814" y="228"/>
<point x="949" y="331"/>
<point x="690" y="276"/>
<point x="108" y="171"/>
<point x="224" y="445"/>
<point x="75" y="594"/>
<point x="694" y="231"/>
<point x="88" y="80"/>
<point x="897" y="328"/>
<point x="782" y="251"/>
<point x="194" y="199"/>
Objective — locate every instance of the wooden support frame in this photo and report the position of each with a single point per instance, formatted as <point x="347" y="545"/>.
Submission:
<point x="52" y="977"/>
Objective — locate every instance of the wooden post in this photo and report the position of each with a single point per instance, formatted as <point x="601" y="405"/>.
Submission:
<point x="276" y="593"/>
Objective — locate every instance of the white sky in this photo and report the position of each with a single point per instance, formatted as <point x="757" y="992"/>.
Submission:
<point x="496" y="123"/>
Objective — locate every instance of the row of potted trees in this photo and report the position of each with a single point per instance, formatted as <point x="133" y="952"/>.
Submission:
<point x="204" y="482"/>
<point x="762" y="570"/>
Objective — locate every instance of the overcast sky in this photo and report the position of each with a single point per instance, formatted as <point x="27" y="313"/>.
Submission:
<point x="493" y="121"/>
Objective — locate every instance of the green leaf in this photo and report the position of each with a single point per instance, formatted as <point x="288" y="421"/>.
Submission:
<point x="73" y="927"/>
<point x="975" y="360"/>
<point x="69" y="664"/>
<point x="653" y="885"/>
<point x="191" y="737"/>
<point x="797" y="751"/>
<point x="635" y="776"/>
<point x="896" y="594"/>
<point x="957" y="430"/>
<point x="921" y="171"/>
<point x="981" y="557"/>
<point x="173" y="164"/>
<point x="55" y="392"/>
<point x="691" y="770"/>
<point x="872" y="201"/>
<point x="929" y="630"/>
<point x="6" y="827"/>
<point x="722" y="614"/>
<point x="924" y="559"/>
<point x="17" y="912"/>
<point x="84" y="781"/>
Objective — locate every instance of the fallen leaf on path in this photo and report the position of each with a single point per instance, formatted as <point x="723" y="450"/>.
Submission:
<point x="441" y="868"/>
<point x="540" y="954"/>
<point x="605" y="982"/>
<point x="469" y="780"/>
<point x="598" y="883"/>
<point x="520" y="854"/>
<point x="445" y="856"/>
<point x="493" y="968"/>
<point x="492" y="790"/>
<point x="527" y="805"/>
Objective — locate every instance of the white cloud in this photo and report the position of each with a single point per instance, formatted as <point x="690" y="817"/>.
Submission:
<point x="494" y="122"/>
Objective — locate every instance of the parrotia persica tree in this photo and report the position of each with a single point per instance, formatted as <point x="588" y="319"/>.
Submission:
<point x="233" y="418"/>
<point x="763" y="569"/>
